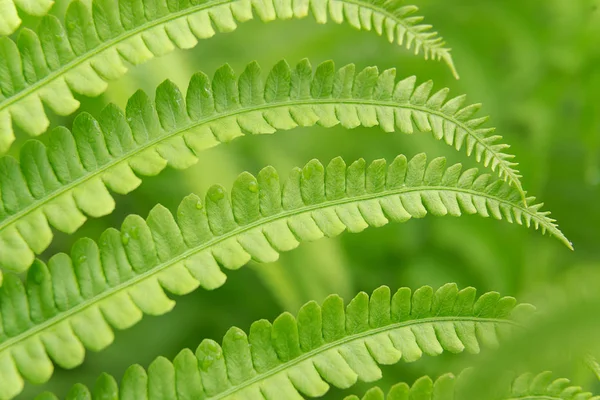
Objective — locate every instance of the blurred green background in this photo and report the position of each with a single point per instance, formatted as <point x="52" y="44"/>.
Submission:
<point x="534" y="64"/>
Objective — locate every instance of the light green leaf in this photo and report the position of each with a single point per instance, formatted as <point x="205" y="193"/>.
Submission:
<point x="75" y="301"/>
<point x="61" y="184"/>
<point x="298" y="357"/>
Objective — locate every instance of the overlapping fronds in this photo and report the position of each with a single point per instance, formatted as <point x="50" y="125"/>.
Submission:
<point x="448" y="387"/>
<point x="61" y="184"/>
<point x="94" y="45"/>
<point x="9" y="17"/>
<point x="75" y="301"/>
<point x="323" y="346"/>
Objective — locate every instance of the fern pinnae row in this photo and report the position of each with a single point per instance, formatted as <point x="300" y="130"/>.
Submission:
<point x="148" y="136"/>
<point x="363" y="335"/>
<point x="85" y="65"/>
<point x="112" y="283"/>
<point x="526" y="386"/>
<point x="326" y="345"/>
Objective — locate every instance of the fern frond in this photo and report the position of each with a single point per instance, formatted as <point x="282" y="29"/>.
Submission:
<point x="324" y="346"/>
<point x="74" y="301"/>
<point x="94" y="45"/>
<point x="448" y="387"/>
<point x="9" y="17"/>
<point x="63" y="183"/>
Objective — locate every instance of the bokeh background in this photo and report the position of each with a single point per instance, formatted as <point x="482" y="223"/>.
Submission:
<point x="534" y="64"/>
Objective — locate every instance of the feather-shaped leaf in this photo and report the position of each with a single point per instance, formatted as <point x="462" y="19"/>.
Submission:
<point x="448" y="387"/>
<point x="61" y="184"/>
<point x="324" y="345"/>
<point x="9" y="17"/>
<point x="95" y="45"/>
<point x="75" y="301"/>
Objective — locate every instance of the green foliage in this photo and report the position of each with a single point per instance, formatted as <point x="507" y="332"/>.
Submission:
<point x="73" y="302"/>
<point x="448" y="387"/>
<point x="323" y="346"/>
<point x="9" y="17"/>
<point x="94" y="46"/>
<point x="60" y="184"/>
<point x="54" y="309"/>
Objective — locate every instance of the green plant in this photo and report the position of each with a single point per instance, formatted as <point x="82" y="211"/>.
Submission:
<point x="55" y="307"/>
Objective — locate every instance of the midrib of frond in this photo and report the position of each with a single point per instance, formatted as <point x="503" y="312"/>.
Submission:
<point x="350" y="338"/>
<point x="151" y="24"/>
<point x="238" y="231"/>
<point x="231" y="113"/>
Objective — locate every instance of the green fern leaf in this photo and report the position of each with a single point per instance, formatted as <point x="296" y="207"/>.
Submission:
<point x="9" y="18"/>
<point x="93" y="46"/>
<point x="74" y="302"/>
<point x="448" y="387"/>
<point x="62" y="184"/>
<point x="323" y="346"/>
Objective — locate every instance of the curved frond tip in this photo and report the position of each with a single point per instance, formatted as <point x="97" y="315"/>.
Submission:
<point x="9" y="17"/>
<point x="75" y="301"/>
<point x="60" y="185"/>
<point x="95" y="45"/>
<point x="327" y="345"/>
<point x="448" y="387"/>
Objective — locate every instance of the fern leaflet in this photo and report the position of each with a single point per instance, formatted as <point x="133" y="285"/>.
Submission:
<point x="448" y="387"/>
<point x="9" y="17"/>
<point x="93" y="47"/>
<point x="74" y="301"/>
<point x="324" y="345"/>
<point x="60" y="184"/>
